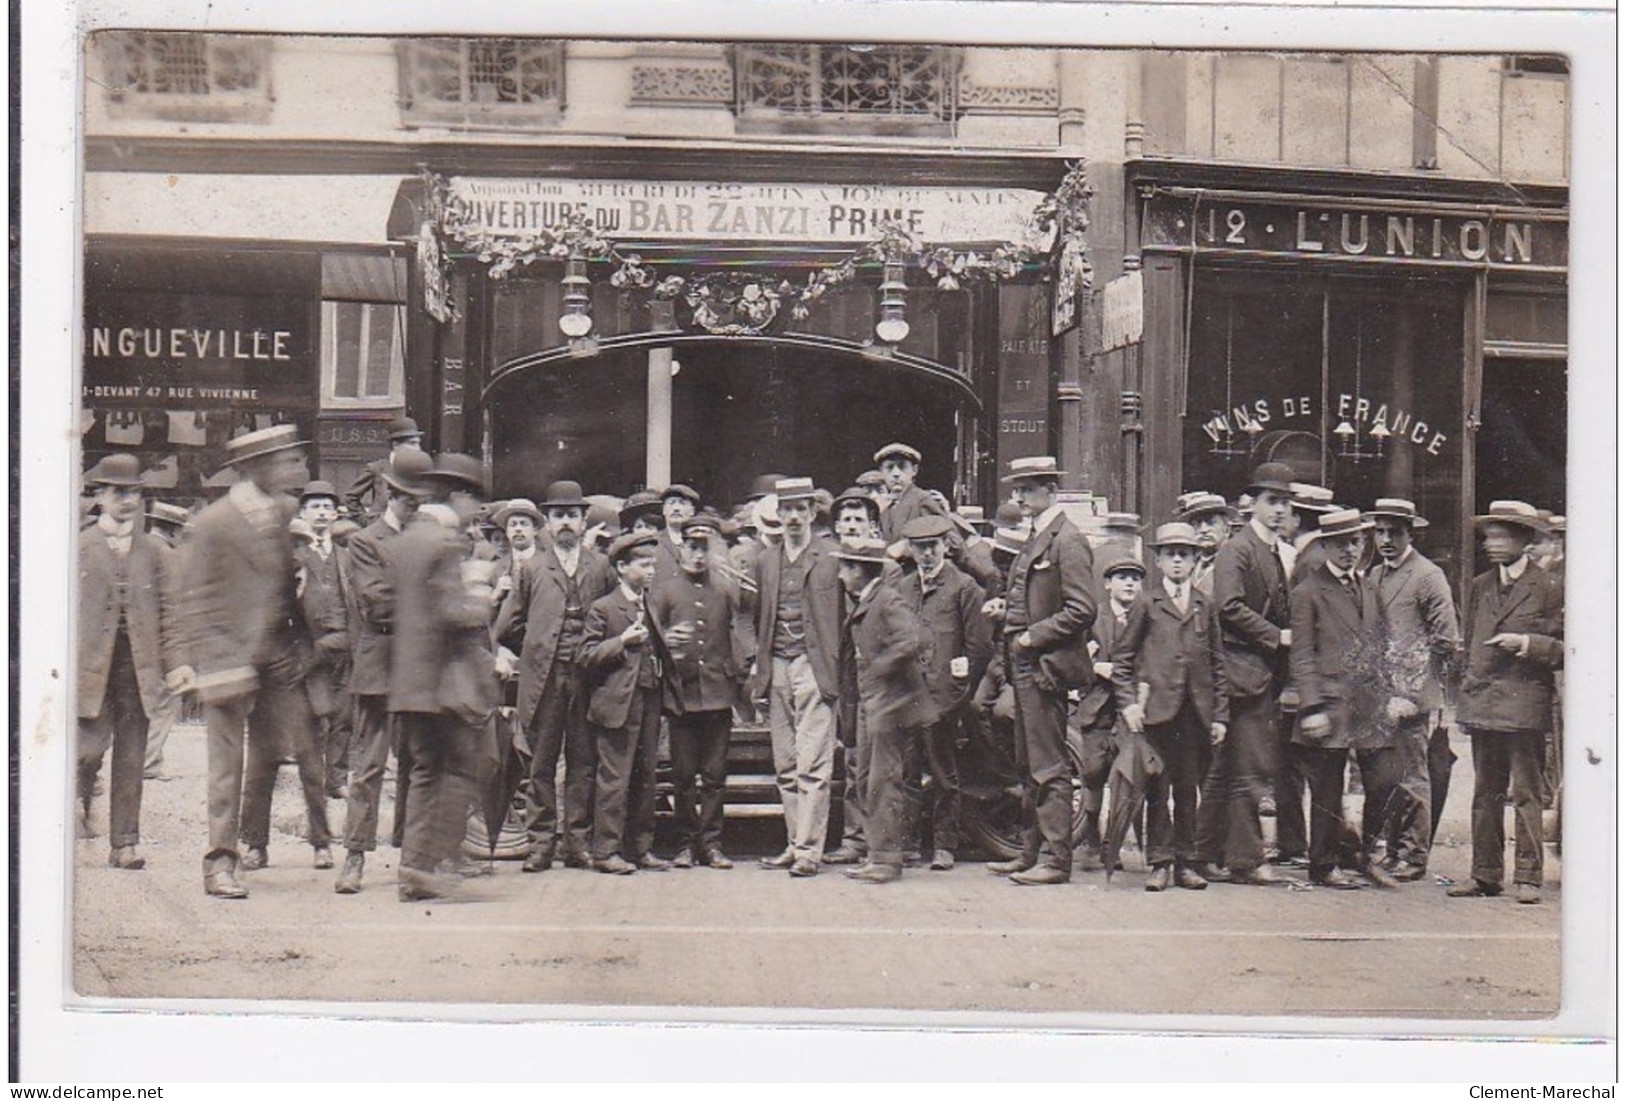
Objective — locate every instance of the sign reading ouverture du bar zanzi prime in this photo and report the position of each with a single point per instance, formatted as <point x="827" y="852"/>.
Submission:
<point x="746" y="212"/>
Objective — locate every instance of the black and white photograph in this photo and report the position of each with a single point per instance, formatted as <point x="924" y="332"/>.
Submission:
<point x="780" y="525"/>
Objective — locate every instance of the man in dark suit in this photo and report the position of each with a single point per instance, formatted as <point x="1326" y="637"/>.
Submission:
<point x="1212" y="517"/>
<point x="1514" y="629"/>
<point x="442" y="673"/>
<point x="1095" y="717"/>
<point x="129" y="649"/>
<point x="795" y="676"/>
<point x="1249" y="584"/>
<point x="1048" y="610"/>
<point x="327" y="599"/>
<point x="1168" y="675"/>
<point x="373" y="590"/>
<point x="956" y="643"/>
<point x="241" y="633"/>
<point x="1337" y="675"/>
<point x="1421" y="639"/>
<point x="707" y="635"/>
<point x="900" y="464"/>
<point x="894" y="706"/>
<point x="167" y="524"/>
<point x="677" y="503"/>
<point x="543" y="620"/>
<point x="369" y="493"/>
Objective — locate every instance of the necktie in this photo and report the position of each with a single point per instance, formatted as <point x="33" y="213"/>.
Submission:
<point x="1181" y="599"/>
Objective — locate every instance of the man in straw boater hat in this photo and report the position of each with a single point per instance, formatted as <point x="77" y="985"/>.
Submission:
<point x="543" y="620"/>
<point x="406" y="487"/>
<point x="167" y="524"/>
<point x="1048" y="610"/>
<point x="370" y="491"/>
<point x="129" y="650"/>
<point x="1514" y="642"/>
<point x="442" y="675"/>
<point x="1337" y="673"/>
<point x="1168" y="673"/>
<point x="1255" y="616"/>
<point x="796" y="672"/>
<point x="1422" y="637"/>
<point x="242" y="636"/>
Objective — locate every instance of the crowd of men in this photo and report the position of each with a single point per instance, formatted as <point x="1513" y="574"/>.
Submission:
<point x="1264" y="650"/>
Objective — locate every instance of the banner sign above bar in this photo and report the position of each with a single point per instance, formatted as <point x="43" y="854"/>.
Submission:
<point x="789" y="213"/>
<point x="1370" y="232"/>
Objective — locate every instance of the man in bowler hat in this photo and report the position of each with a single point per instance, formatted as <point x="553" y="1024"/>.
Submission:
<point x="370" y="491"/>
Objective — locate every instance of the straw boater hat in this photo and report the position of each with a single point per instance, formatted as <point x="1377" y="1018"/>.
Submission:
<point x="115" y="470"/>
<point x="406" y="471"/>
<point x="565" y="494"/>
<point x="1176" y="535"/>
<point x="623" y="545"/>
<point x="897" y="451"/>
<point x="1192" y="505"/>
<point x="975" y="516"/>
<point x="1396" y="508"/>
<point x="519" y="506"/>
<point x="1275" y="477"/>
<point x="161" y="512"/>
<point x="1343" y="521"/>
<point x="1515" y="513"/>
<point x="265" y="441"/>
<point x="794" y="489"/>
<point x="1125" y="564"/>
<point x="872" y="551"/>
<point x="1313" y="498"/>
<point x="1038" y="468"/>
<point x="1558" y="524"/>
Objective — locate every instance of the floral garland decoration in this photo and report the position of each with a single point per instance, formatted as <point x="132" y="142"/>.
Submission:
<point x="1061" y="215"/>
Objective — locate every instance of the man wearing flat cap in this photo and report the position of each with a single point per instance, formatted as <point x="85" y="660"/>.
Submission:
<point x="543" y="620"/>
<point x="242" y="635"/>
<point x="370" y="491"/>
<point x="1421" y="640"/>
<point x="1255" y="617"/>
<point x="900" y="465"/>
<point x="1095" y="717"/>
<point x="678" y="502"/>
<point x="1514" y="642"/>
<point x="1048" y="610"/>
<point x="130" y="650"/>
<point x="374" y="734"/>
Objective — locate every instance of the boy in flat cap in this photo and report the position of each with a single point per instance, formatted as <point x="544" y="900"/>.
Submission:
<point x="900" y="464"/>
<point x="620" y="655"/>
<point x="1168" y="673"/>
<point x="1095" y="717"/>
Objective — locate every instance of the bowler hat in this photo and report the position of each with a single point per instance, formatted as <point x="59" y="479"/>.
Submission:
<point x="927" y="526"/>
<point x="1008" y="515"/>
<point x="862" y="549"/>
<point x="318" y="488"/>
<point x="115" y="470"/>
<point x="1036" y="468"/>
<point x="265" y="441"/>
<point x="1125" y="564"/>
<point x="404" y="428"/>
<point x="857" y="495"/>
<point x="645" y="502"/>
<point x="519" y="506"/>
<point x="463" y="472"/>
<point x="762" y="485"/>
<point x="623" y="545"/>
<point x="1516" y="513"/>
<point x="1275" y="477"/>
<point x="1343" y="521"/>
<point x="405" y="471"/>
<point x="1396" y="508"/>
<point x="564" y="494"/>
<point x="898" y="451"/>
<point x="1176" y="534"/>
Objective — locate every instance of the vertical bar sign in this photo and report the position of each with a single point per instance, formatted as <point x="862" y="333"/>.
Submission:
<point x="1024" y="383"/>
<point x="453" y="372"/>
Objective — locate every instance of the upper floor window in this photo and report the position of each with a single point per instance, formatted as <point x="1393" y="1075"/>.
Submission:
<point x="1544" y="64"/>
<point x="187" y="77"/>
<point x="475" y="82"/>
<point x="907" y="89"/>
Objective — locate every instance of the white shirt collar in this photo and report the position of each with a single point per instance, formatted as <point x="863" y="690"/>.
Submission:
<point x="1514" y="570"/>
<point x="569" y="559"/>
<point x="1118" y="610"/>
<point x="1172" y="588"/>
<point x="1337" y="573"/>
<point x="392" y="521"/>
<point x="632" y="596"/>
<point x="1398" y="562"/>
<point x="113" y="529"/>
<point x="1269" y="537"/>
<point x="931" y="578"/>
<point x="524" y="555"/>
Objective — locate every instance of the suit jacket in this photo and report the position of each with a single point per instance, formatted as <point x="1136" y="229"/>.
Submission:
<point x="951" y="625"/>
<point x="327" y="612"/>
<point x="615" y="671"/>
<point x="374" y="595"/>
<point x="668" y="564"/>
<point x="149" y="617"/>
<point x="1499" y="690"/>
<point x="885" y="651"/>
<point x="977" y="560"/>
<point x="1098" y="707"/>
<point x="1336" y="660"/>
<point x="1054" y="577"/>
<point x="703" y="675"/>
<point x="440" y="659"/>
<point x="1419" y="628"/>
<point x="240" y="608"/>
<point x="1178" y="656"/>
<point x="535" y="607"/>
<point x="912" y="502"/>
<point x="1249" y="584"/>
<point x="821" y="615"/>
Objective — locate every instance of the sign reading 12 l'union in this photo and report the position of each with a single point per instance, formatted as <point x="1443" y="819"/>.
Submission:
<point x="1523" y="239"/>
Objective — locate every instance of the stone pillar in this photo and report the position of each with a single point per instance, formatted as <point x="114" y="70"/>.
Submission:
<point x="657" y="445"/>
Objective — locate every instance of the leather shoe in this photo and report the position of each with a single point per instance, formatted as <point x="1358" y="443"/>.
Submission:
<point x="1474" y="888"/>
<point x="614" y="865"/>
<point x="1338" y="880"/>
<point x="684" y="858"/>
<point x="1010" y="867"/>
<point x="1381" y="876"/>
<point x="1159" y="879"/>
<point x="649" y="862"/>
<point x="1260" y="876"/>
<point x="1187" y="878"/>
<point x="539" y="860"/>
<point x="349" y="881"/>
<point x="1409" y="873"/>
<point x="127" y="858"/>
<point x="578" y="860"/>
<point x="1044" y="875"/>
<point x="845" y="855"/>
<point x="221" y="882"/>
<point x="254" y="859"/>
<point x="1088" y="860"/>
<point x="416" y="885"/>
<point x="322" y="858"/>
<point x="804" y="868"/>
<point x="784" y="860"/>
<point x="1213" y="873"/>
<point x="876" y="873"/>
<point x="942" y="860"/>
<point x="1528" y="894"/>
<point x="715" y="858"/>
